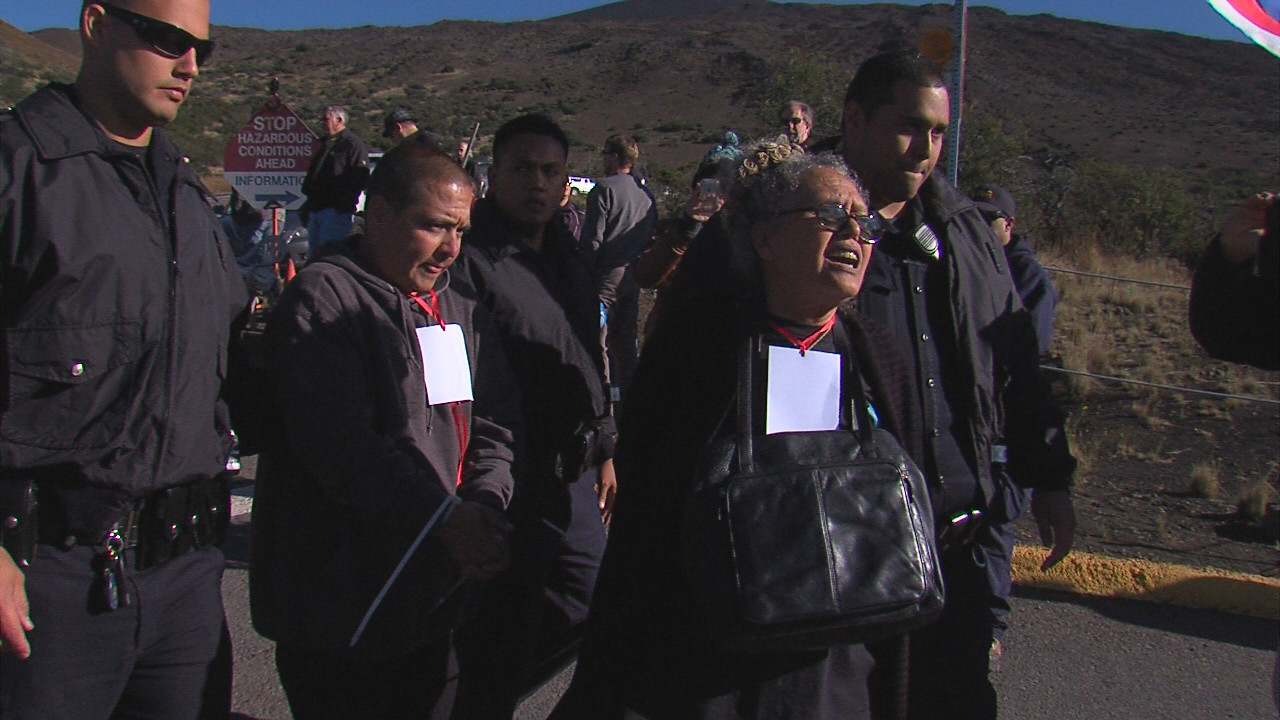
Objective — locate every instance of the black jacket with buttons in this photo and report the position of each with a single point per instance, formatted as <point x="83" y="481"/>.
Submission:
<point x="117" y="301"/>
<point x="337" y="173"/>
<point x="999" y="393"/>
<point x="545" y="304"/>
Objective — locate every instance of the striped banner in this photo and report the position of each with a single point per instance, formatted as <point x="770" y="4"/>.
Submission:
<point x="1259" y="19"/>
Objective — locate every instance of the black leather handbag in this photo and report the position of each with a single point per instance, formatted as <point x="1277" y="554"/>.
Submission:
<point x="806" y="540"/>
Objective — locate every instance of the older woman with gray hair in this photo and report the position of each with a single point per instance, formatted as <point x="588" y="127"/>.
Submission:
<point x="797" y="243"/>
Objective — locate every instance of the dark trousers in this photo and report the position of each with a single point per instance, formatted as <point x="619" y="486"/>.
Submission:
<point x="998" y="539"/>
<point x="950" y="659"/>
<point x="620" y="295"/>
<point x="532" y="610"/>
<point x="165" y="655"/>
<point x="418" y="686"/>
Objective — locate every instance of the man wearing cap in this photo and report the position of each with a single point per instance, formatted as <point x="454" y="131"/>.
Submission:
<point x="1029" y="276"/>
<point x="118" y="290"/>
<point x="399" y="124"/>
<point x="336" y="176"/>
<point x="1036" y="290"/>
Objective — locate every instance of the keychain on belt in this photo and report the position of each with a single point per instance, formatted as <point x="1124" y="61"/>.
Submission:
<point x="111" y="573"/>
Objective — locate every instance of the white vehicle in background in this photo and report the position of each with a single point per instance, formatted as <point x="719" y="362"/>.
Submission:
<point x="374" y="157"/>
<point x="580" y="184"/>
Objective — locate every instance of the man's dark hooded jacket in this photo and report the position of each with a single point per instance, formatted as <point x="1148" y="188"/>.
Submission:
<point x="360" y="461"/>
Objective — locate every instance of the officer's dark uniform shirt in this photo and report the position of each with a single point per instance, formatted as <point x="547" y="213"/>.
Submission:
<point x="909" y="293"/>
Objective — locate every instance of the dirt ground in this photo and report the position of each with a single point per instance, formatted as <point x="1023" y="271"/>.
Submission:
<point x="1134" y="497"/>
<point x="1140" y="445"/>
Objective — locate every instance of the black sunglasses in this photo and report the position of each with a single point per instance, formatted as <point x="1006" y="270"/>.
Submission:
<point x="835" y="217"/>
<point x="170" y="41"/>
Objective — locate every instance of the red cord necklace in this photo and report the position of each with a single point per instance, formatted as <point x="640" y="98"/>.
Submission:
<point x="807" y="343"/>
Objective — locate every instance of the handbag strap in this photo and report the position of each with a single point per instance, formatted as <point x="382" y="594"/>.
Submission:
<point x="751" y="348"/>
<point x="853" y="397"/>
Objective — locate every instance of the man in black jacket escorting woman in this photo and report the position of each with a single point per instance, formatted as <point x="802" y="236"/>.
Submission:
<point x="939" y="281"/>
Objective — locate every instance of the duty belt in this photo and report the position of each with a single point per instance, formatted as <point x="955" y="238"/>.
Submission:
<point x="163" y="525"/>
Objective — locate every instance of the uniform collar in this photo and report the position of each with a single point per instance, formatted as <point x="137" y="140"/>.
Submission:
<point x="60" y="128"/>
<point x="493" y="235"/>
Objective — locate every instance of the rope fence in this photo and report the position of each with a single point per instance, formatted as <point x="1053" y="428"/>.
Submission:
<point x="1162" y="386"/>
<point x="1100" y="276"/>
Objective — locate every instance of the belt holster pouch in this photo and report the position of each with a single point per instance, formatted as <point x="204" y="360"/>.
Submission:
<point x="578" y="455"/>
<point x="18" y="520"/>
<point x="182" y="518"/>
<point x="213" y="506"/>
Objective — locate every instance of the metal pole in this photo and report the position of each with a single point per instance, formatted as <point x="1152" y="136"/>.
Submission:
<point x="471" y="145"/>
<point x="957" y="92"/>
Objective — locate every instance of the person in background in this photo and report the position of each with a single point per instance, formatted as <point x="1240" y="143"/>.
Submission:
<point x="247" y="230"/>
<point x="1235" y="294"/>
<point x="1038" y="295"/>
<point x="621" y="215"/>
<point x="570" y="215"/>
<point x="335" y="177"/>
<point x="372" y="438"/>
<point x="527" y="271"/>
<point x="797" y="118"/>
<point x="116" y="318"/>
<point x="672" y="237"/>
<point x="399" y="124"/>
<point x="1031" y="280"/>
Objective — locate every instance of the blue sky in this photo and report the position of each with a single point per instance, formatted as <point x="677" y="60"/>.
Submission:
<point x="1190" y="17"/>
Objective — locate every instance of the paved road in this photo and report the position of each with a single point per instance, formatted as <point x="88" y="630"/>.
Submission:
<point x="1068" y="657"/>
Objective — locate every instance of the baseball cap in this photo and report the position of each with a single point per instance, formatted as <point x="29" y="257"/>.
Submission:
<point x="995" y="199"/>
<point x="394" y="118"/>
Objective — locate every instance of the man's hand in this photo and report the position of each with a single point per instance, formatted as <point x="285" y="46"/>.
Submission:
<point x="475" y="536"/>
<point x="1056" y="517"/>
<point x="15" y="618"/>
<point x="1243" y="228"/>
<point x="607" y="491"/>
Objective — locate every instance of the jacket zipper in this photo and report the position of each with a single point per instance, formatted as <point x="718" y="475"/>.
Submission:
<point x="409" y="325"/>
<point x="171" y="312"/>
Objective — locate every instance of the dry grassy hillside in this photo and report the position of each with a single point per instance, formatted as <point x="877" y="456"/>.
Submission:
<point x="1067" y="90"/>
<point x="1165" y="475"/>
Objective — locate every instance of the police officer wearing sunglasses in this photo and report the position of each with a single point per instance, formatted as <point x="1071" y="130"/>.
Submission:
<point x="117" y="291"/>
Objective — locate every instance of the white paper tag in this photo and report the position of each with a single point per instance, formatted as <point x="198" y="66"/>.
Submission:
<point x="445" y="367"/>
<point x="803" y="391"/>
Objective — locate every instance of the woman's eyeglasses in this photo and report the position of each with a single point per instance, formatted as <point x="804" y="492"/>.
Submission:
<point x="835" y="218"/>
<point x="170" y="41"/>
